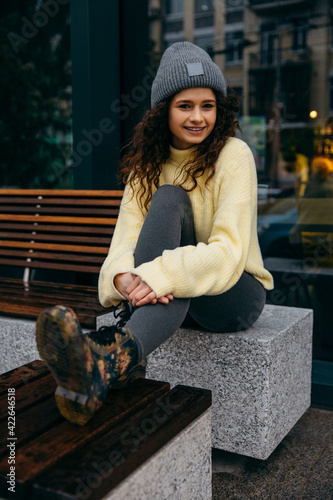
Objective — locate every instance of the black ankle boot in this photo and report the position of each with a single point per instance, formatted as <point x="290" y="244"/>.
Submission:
<point x="85" y="366"/>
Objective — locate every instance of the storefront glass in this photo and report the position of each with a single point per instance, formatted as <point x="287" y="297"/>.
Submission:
<point x="35" y="94"/>
<point x="279" y="57"/>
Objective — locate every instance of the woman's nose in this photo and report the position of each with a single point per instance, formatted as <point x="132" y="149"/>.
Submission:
<point x="196" y="115"/>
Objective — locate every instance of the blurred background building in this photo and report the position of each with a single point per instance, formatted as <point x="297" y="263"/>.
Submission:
<point x="278" y="56"/>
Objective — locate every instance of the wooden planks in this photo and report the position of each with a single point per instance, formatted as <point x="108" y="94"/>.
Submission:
<point x="53" y="247"/>
<point x="82" y="193"/>
<point x="54" y="256"/>
<point x="57" y="230"/>
<point x="54" y="457"/>
<point x="52" y="265"/>
<point x="125" y="447"/>
<point x="18" y="300"/>
<point x="85" y="210"/>
<point x="56" y="237"/>
<point x="58" y="219"/>
<point x="22" y="375"/>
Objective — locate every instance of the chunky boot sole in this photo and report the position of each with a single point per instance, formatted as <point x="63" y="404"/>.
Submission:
<point x="61" y="345"/>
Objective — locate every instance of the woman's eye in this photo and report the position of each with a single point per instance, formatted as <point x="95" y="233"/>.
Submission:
<point x="204" y="106"/>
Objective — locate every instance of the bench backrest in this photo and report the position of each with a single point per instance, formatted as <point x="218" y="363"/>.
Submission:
<point x="65" y="230"/>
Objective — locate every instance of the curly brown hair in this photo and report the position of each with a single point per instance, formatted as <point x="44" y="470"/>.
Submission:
<point x="150" y="147"/>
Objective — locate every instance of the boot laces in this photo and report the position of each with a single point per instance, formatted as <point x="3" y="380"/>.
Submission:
<point x="107" y="334"/>
<point x="124" y="313"/>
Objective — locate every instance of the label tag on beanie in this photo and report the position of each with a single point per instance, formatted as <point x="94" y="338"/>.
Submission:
<point x="194" y="69"/>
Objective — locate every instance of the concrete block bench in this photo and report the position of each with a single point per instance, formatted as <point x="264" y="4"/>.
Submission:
<point x="260" y="378"/>
<point x="146" y="442"/>
<point x="18" y="343"/>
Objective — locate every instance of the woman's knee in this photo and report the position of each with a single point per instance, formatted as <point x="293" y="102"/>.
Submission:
<point x="169" y="194"/>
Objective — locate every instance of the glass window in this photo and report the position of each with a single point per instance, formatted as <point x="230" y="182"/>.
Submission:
<point x="205" y="42"/>
<point x="231" y="4"/>
<point x="234" y="16"/>
<point x="168" y="43"/>
<point x="35" y="93"/>
<point x="268" y="52"/>
<point x="299" y="34"/>
<point x="330" y="95"/>
<point x="174" y="6"/>
<point x="233" y="47"/>
<point x="204" y="5"/>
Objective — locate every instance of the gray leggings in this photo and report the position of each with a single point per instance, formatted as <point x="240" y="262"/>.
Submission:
<point x="168" y="225"/>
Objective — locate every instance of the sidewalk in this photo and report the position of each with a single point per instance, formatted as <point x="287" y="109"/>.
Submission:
<point x="301" y="467"/>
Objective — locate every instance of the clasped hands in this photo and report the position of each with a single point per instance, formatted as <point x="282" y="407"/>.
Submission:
<point x="136" y="291"/>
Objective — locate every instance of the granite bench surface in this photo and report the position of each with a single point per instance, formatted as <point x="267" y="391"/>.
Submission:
<point x="260" y="378"/>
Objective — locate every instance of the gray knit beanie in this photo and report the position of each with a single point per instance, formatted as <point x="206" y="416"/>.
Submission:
<point x="184" y="65"/>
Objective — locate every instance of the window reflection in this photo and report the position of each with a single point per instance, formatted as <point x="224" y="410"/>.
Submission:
<point x="278" y="55"/>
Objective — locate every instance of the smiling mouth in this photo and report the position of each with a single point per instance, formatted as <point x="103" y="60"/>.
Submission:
<point x="195" y="129"/>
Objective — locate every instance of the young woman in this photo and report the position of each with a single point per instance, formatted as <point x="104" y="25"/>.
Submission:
<point x="185" y="246"/>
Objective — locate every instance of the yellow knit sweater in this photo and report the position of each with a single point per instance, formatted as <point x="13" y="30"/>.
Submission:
<point x="225" y="220"/>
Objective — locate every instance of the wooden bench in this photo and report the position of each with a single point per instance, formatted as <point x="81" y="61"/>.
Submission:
<point x="146" y="442"/>
<point x="63" y="235"/>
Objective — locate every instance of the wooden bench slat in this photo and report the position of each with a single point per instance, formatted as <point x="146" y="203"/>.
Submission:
<point x="184" y="405"/>
<point x="33" y="296"/>
<point x="12" y="210"/>
<point x="86" y="313"/>
<point x="46" y="287"/>
<point x="39" y="455"/>
<point x="29" y="394"/>
<point x="61" y="201"/>
<point x="87" y="319"/>
<point x="29" y="291"/>
<point x="29" y="302"/>
<point x="61" y="220"/>
<point x="63" y="192"/>
<point x="52" y="297"/>
<point x="51" y="265"/>
<point x="31" y="305"/>
<point x="56" y="237"/>
<point x="55" y="246"/>
<point x="45" y="413"/>
<point x="59" y="228"/>
<point x="91" y="259"/>
<point x="86" y="309"/>
<point x="22" y="375"/>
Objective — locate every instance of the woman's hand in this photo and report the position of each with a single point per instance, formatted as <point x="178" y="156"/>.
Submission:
<point x="122" y="281"/>
<point x="140" y="293"/>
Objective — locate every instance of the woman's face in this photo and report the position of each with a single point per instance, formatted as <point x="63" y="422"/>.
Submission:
<point x="192" y="116"/>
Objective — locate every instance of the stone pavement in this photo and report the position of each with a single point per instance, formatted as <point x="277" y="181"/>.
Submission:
<point x="301" y="467"/>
